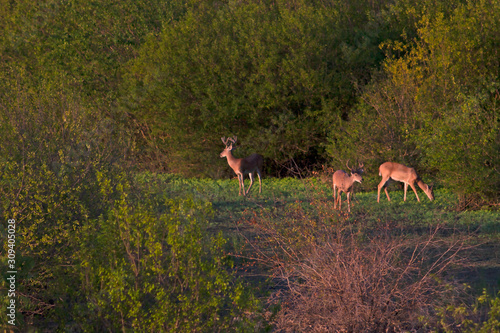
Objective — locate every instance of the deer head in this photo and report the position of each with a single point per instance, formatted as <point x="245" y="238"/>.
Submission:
<point x="229" y="142"/>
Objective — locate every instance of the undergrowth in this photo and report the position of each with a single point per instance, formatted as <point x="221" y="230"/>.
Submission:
<point x="388" y="266"/>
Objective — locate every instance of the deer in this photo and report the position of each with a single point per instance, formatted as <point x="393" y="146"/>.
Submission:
<point x="242" y="166"/>
<point x="344" y="183"/>
<point x="401" y="173"/>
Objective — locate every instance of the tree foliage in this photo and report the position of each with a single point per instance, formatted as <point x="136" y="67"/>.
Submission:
<point x="436" y="107"/>
<point x="152" y="267"/>
<point x="87" y="246"/>
<point x="86" y="41"/>
<point x="273" y="73"/>
<point x="52" y="148"/>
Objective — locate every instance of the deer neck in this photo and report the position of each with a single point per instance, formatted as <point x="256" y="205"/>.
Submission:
<point x="422" y="185"/>
<point x="232" y="161"/>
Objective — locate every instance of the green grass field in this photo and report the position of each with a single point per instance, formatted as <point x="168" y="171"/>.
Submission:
<point x="223" y="194"/>
<point x="315" y="199"/>
<point x="285" y="242"/>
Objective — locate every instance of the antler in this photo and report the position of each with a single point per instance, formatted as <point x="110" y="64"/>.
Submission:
<point x="225" y="141"/>
<point x="347" y="165"/>
<point x="361" y="168"/>
<point x="358" y="170"/>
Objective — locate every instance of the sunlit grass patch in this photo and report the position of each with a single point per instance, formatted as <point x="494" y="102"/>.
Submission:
<point x="299" y="212"/>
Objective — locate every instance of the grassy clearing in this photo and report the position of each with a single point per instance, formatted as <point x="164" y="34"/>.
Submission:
<point x="296" y="216"/>
<point x="440" y="211"/>
<point x="315" y="198"/>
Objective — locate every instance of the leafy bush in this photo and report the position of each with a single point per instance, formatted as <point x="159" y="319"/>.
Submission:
<point x="483" y="317"/>
<point x="91" y="246"/>
<point x="435" y="108"/>
<point x="151" y="266"/>
<point x="51" y="148"/>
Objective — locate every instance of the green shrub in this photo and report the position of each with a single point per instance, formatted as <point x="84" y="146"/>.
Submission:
<point x="52" y="148"/>
<point x="483" y="317"/>
<point x="151" y="266"/>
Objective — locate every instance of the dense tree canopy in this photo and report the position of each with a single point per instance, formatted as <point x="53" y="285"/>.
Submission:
<point x="275" y="74"/>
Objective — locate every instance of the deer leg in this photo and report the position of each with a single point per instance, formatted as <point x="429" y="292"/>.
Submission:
<point x="414" y="190"/>
<point x="242" y="183"/>
<point x="348" y="202"/>
<point x="334" y="197"/>
<point x="260" y="183"/>
<point x="239" y="184"/>
<point x="250" y="175"/>
<point x="340" y="200"/>
<point x="383" y="184"/>
<point x="387" y="193"/>
<point x="405" y="188"/>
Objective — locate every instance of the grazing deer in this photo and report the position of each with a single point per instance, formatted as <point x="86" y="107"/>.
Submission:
<point x="344" y="183"/>
<point x="242" y="166"/>
<point x="398" y="172"/>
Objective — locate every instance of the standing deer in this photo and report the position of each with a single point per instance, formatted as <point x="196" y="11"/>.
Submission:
<point x="242" y="166"/>
<point x="398" y="172"/>
<point x="360" y="170"/>
<point x="344" y="183"/>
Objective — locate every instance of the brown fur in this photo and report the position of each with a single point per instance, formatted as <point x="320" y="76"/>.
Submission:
<point x="243" y="166"/>
<point x="344" y="183"/>
<point x="401" y="173"/>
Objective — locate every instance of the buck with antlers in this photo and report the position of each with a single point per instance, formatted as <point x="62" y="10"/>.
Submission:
<point x="344" y="183"/>
<point x="398" y="172"/>
<point x="242" y="166"/>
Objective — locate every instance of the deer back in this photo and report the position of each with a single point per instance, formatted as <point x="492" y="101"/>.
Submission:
<point x="342" y="180"/>
<point x="251" y="163"/>
<point x="398" y="172"/>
